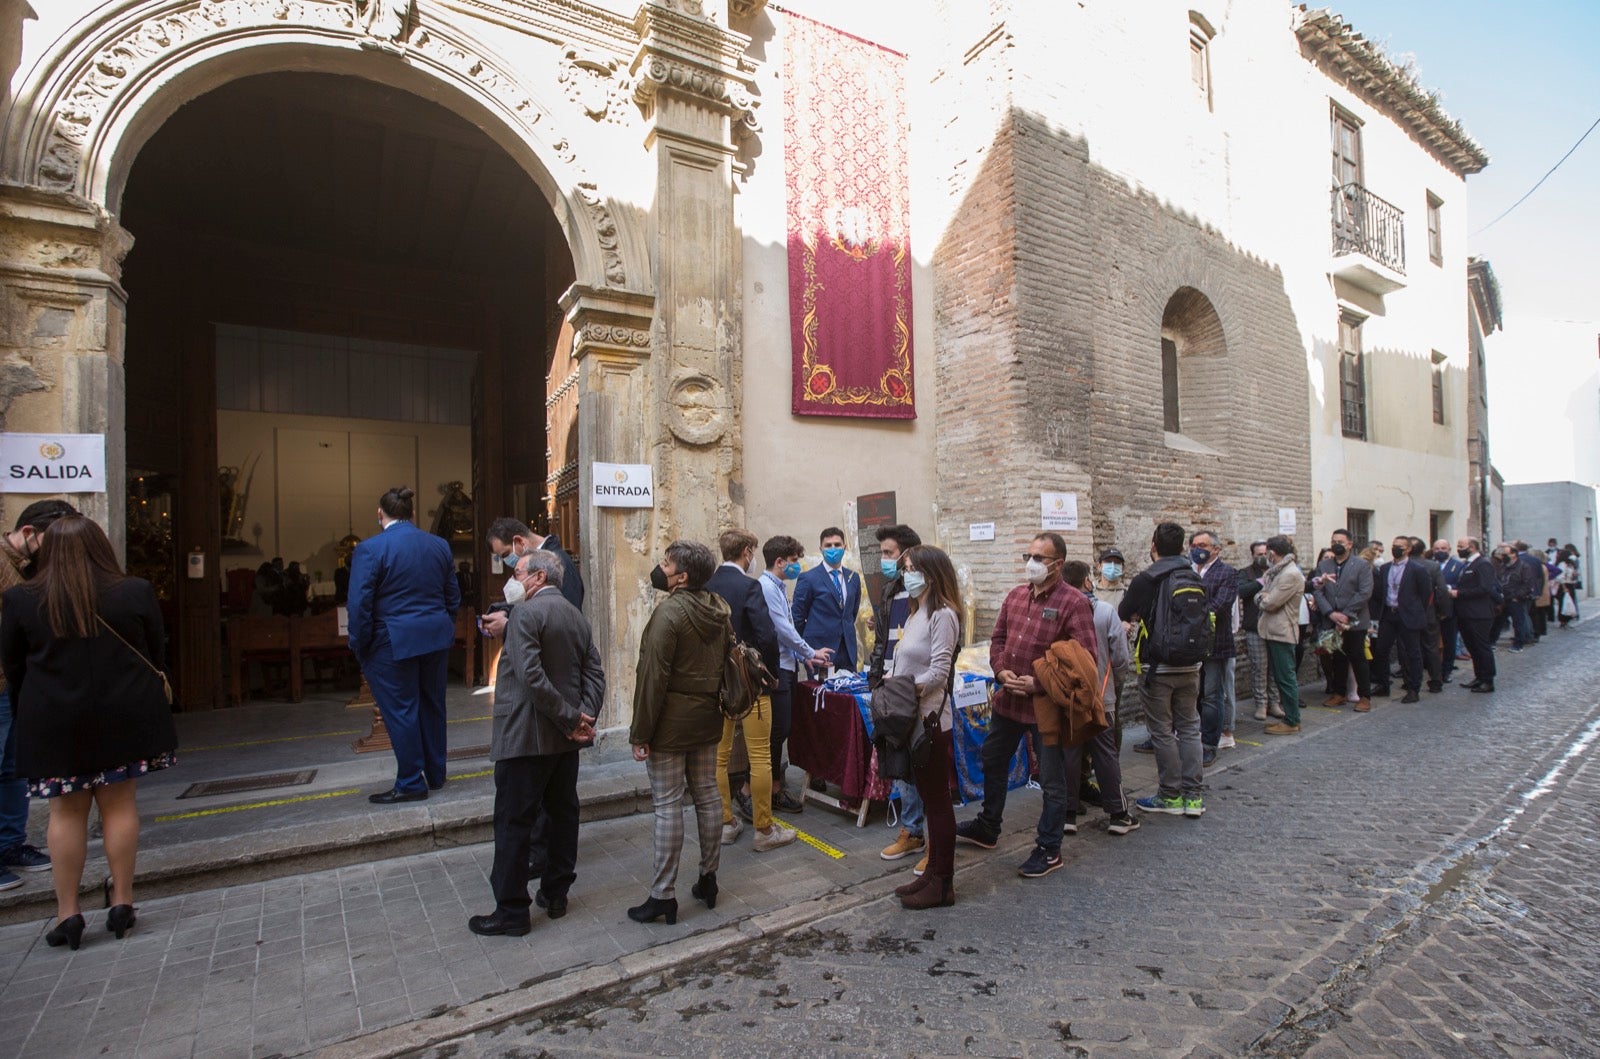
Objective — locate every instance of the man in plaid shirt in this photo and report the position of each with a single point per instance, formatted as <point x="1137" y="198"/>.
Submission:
<point x="1033" y="616"/>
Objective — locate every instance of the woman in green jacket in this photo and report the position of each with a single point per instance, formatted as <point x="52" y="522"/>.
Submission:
<point x="676" y="722"/>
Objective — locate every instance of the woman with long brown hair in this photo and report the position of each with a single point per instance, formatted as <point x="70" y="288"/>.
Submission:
<point x="926" y="653"/>
<point x="82" y="648"/>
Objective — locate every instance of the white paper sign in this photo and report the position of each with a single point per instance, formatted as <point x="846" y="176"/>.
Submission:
<point x="1058" y="511"/>
<point x="344" y="622"/>
<point x="970" y="693"/>
<point x="1286" y="521"/>
<point x="623" y="485"/>
<point x="52" y="463"/>
<point x="980" y="531"/>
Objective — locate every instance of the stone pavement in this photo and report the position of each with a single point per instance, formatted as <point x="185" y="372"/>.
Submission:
<point x="1418" y="881"/>
<point x="1201" y="936"/>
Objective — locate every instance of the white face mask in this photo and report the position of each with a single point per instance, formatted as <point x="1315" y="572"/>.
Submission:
<point x="515" y="593"/>
<point x="1036" y="571"/>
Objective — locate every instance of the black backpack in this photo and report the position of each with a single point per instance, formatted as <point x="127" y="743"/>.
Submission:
<point x="1181" y="630"/>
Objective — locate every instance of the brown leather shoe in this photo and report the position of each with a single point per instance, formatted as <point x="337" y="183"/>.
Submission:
<point x="1363" y="705"/>
<point x="1337" y="700"/>
<point x="1282" y="729"/>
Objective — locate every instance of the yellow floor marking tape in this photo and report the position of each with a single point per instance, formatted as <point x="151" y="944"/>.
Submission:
<point x="471" y="775"/>
<point x="465" y="720"/>
<point x="818" y="844"/>
<point x="254" y="805"/>
<point x="263" y="742"/>
<point x="1244" y="742"/>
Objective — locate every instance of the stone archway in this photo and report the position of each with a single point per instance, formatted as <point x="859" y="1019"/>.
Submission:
<point x="655" y="308"/>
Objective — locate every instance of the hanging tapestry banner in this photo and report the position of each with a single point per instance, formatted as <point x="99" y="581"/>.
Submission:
<point x="849" y="220"/>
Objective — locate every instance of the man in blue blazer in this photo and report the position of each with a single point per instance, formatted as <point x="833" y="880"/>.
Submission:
<point x="826" y="599"/>
<point x="403" y="601"/>
<point x="1402" y="596"/>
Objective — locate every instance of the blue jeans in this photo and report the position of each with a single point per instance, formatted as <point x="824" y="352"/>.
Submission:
<point x="1216" y="700"/>
<point x="1521" y="624"/>
<point x="911" y="815"/>
<point x="13" y="791"/>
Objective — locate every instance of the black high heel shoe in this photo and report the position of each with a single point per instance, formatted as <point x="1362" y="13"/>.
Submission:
<point x="706" y="890"/>
<point x="68" y="932"/>
<point x="120" y="920"/>
<point x="653" y="909"/>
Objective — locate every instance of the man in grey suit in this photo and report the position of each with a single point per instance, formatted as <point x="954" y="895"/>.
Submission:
<point x="1343" y="591"/>
<point x="546" y="699"/>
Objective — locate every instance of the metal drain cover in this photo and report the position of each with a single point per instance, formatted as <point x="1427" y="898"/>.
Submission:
<point x="241" y="784"/>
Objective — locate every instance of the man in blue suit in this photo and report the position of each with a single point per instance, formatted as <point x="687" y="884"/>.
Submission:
<point x="1402" y="596"/>
<point x="826" y="598"/>
<point x="403" y="601"/>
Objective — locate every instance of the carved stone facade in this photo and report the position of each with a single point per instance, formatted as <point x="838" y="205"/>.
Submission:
<point x="626" y="126"/>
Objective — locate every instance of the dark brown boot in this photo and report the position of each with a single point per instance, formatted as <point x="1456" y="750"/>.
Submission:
<point x="914" y="886"/>
<point x="939" y="893"/>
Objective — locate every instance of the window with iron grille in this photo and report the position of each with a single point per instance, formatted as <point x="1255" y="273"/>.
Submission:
<point x="1359" y="522"/>
<point x="1352" y="380"/>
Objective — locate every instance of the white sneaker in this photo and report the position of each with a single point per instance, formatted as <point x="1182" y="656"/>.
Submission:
<point x="731" y="832"/>
<point x="778" y="836"/>
<point x="1226" y="742"/>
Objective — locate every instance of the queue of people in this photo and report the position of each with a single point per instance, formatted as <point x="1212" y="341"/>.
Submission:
<point x="1071" y="650"/>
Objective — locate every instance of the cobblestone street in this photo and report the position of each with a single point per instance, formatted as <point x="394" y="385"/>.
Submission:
<point x="1415" y="882"/>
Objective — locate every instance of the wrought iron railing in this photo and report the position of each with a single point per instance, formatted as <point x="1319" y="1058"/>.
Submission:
<point x="1365" y="224"/>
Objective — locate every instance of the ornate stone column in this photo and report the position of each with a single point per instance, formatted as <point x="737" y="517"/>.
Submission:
<point x="61" y="333"/>
<point x="617" y="423"/>
<point x="695" y="90"/>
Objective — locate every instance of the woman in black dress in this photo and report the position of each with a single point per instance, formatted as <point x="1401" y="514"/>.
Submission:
<point x="82" y="647"/>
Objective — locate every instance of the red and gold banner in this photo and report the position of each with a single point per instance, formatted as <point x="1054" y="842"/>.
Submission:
<point x="845" y="153"/>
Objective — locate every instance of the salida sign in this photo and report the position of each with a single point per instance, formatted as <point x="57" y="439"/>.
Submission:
<point x="52" y="463"/>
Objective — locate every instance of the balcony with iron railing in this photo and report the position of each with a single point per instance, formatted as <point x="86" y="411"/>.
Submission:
<point x="1369" y="240"/>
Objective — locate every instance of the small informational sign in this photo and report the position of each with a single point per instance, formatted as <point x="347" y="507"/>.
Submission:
<point x="52" y="463"/>
<point x="1286" y="521"/>
<point x="980" y="531"/>
<point x="344" y="622"/>
<point x="1058" y="511"/>
<point x="971" y="692"/>
<point x="624" y="485"/>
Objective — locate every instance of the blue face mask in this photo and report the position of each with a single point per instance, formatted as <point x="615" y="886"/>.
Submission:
<point x="916" y="584"/>
<point x="1198" y="556"/>
<point x="890" y="568"/>
<point x="791" y="571"/>
<point x="1110" y="571"/>
<point x="832" y="556"/>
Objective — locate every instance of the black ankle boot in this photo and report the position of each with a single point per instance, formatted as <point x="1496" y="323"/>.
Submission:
<point x="653" y="909"/>
<point x="706" y="890"/>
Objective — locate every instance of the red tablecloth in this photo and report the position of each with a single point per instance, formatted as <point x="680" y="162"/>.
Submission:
<point x="828" y="739"/>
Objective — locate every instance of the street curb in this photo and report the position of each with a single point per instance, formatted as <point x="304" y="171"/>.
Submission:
<point x="411" y="1037"/>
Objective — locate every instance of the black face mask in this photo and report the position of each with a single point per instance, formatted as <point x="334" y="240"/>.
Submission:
<point x="1440" y="556"/>
<point x="1462" y="553"/>
<point x="1338" y="550"/>
<point x="658" y="579"/>
<point x="1399" y="552"/>
<point x="1262" y="562"/>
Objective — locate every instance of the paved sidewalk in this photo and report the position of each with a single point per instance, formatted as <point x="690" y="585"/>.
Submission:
<point x="290" y="964"/>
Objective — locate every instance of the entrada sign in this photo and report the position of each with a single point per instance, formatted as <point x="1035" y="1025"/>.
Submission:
<point x="52" y="463"/>
<point x="623" y="485"/>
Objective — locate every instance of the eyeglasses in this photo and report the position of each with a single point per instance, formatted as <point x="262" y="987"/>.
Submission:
<point x="1029" y="557"/>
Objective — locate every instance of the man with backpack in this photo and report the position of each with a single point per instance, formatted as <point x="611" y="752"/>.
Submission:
<point x="1168" y="600"/>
